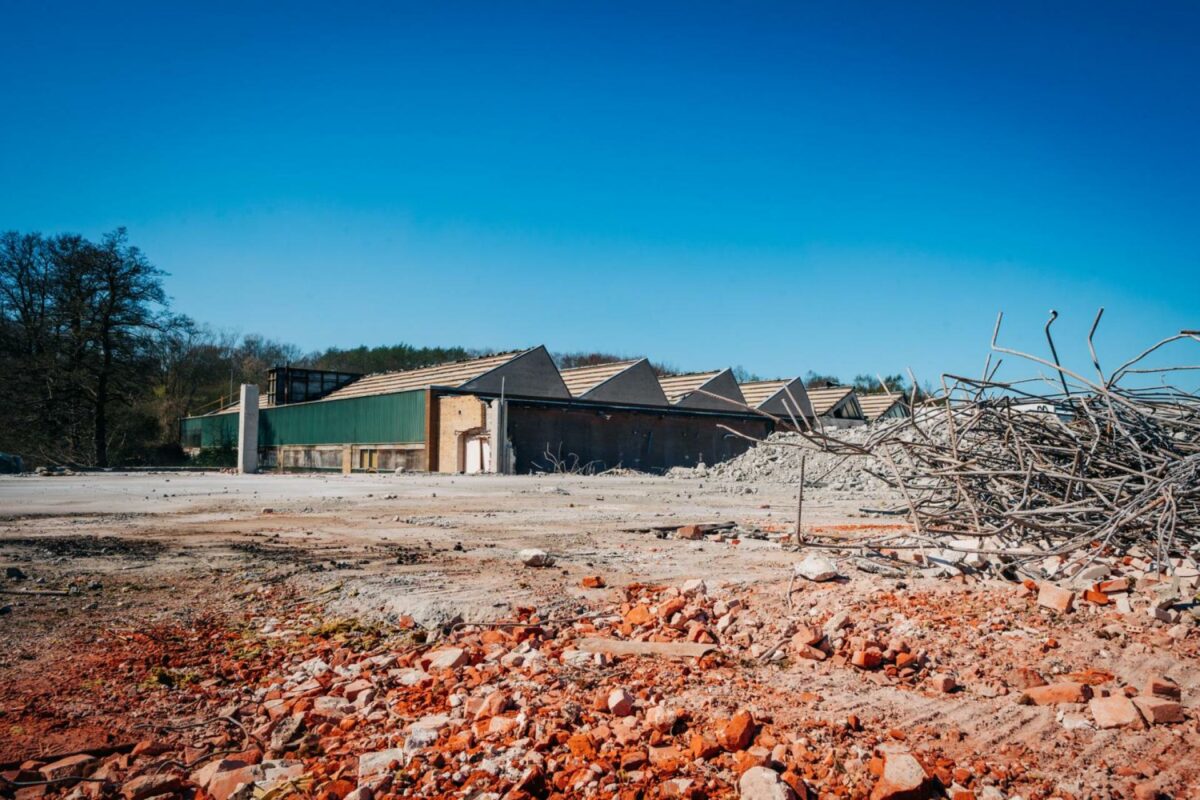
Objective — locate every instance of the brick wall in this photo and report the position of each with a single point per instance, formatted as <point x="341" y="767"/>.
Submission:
<point x="456" y="413"/>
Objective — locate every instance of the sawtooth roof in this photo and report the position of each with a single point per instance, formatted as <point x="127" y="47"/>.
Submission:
<point x="875" y="406"/>
<point x="757" y="392"/>
<point x="676" y="387"/>
<point x="581" y="379"/>
<point x="825" y="400"/>
<point x="452" y="373"/>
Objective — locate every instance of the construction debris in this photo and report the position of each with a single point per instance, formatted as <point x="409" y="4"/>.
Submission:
<point x="816" y="568"/>
<point x="1086" y="474"/>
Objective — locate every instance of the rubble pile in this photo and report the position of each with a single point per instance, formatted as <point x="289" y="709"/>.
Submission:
<point x="993" y="467"/>
<point x="777" y="460"/>
<point x="696" y="690"/>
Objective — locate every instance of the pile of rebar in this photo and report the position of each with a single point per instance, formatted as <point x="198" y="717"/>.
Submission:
<point x="1059" y="464"/>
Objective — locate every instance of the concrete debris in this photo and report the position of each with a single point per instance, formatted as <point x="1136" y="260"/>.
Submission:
<point x="903" y="778"/>
<point x="816" y="568"/>
<point x="761" y="783"/>
<point x="532" y="557"/>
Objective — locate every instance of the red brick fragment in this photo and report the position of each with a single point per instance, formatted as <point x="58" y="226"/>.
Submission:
<point x="1025" y="678"/>
<point x="1114" y="711"/>
<point x="866" y="659"/>
<point x="1055" y="693"/>
<point x="1158" y="710"/>
<point x="639" y="615"/>
<point x="1160" y="686"/>
<point x="738" y="732"/>
<point x="1055" y="598"/>
<point x="903" y="778"/>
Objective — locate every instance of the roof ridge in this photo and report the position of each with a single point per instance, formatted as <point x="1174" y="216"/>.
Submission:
<point x="445" y="363"/>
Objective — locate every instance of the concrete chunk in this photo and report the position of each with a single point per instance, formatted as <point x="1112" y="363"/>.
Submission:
<point x="816" y="568"/>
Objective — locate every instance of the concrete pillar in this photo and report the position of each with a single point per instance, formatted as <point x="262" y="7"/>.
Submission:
<point x="497" y="427"/>
<point x="248" y="430"/>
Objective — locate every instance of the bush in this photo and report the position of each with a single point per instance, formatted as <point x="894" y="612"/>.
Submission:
<point x="214" y="457"/>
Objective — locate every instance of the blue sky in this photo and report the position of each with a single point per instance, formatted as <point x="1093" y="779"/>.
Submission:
<point x="841" y="187"/>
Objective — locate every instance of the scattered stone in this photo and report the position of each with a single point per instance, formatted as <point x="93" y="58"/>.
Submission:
<point x="738" y="732"/>
<point x="1055" y="693"/>
<point x="286" y="732"/>
<point x="145" y="786"/>
<point x="903" y="778"/>
<point x="1158" y="710"/>
<point x="620" y="703"/>
<point x="1055" y="598"/>
<point x="761" y="783"/>
<point x="816" y="568"/>
<point x="14" y="573"/>
<point x="379" y="762"/>
<point x="592" y="582"/>
<point x="76" y="766"/>
<point x="1025" y="678"/>
<point x="1114" y="711"/>
<point x="1160" y="686"/>
<point x="449" y="658"/>
<point x="943" y="683"/>
<point x="662" y="718"/>
<point x="532" y="557"/>
<point x="866" y="659"/>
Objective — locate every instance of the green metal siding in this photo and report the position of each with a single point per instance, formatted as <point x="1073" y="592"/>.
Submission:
<point x="215" y="431"/>
<point x="378" y="419"/>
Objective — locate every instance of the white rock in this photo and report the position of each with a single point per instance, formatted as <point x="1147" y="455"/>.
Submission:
<point x="576" y="658"/>
<point x="620" y="703"/>
<point x="532" y="557"/>
<point x="760" y="783"/>
<point x="1086" y="577"/>
<point x="315" y="667"/>
<point x="409" y="677"/>
<point x="448" y="658"/>
<point x="816" y="568"/>
<point x="375" y="763"/>
<point x="838" y="621"/>
<point x="694" y="587"/>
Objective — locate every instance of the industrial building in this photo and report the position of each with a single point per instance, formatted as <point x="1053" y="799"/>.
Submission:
<point x="836" y="407"/>
<point x="511" y="412"/>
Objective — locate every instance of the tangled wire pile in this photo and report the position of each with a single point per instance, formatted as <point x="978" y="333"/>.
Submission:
<point x="1089" y="467"/>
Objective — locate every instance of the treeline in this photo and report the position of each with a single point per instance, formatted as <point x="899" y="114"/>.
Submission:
<point x="96" y="369"/>
<point x="867" y="384"/>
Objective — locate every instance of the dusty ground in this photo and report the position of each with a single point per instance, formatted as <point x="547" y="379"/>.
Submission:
<point x="156" y="565"/>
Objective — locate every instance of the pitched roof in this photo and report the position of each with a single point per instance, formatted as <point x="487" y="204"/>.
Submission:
<point x="875" y="406"/>
<point x="452" y="373"/>
<point x="580" y="379"/>
<point x="756" y="392"/>
<point x="676" y="387"/>
<point x="825" y="400"/>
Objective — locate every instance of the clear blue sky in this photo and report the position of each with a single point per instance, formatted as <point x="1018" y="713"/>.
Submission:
<point x="843" y="187"/>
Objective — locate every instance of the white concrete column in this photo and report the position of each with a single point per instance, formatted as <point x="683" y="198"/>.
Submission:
<point x="248" y="430"/>
<point x="497" y="425"/>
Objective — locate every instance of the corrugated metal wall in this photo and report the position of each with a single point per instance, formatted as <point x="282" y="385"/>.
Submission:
<point x="380" y="419"/>
<point x="218" y="430"/>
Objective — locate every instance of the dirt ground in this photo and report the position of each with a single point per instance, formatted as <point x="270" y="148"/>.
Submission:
<point x="153" y="566"/>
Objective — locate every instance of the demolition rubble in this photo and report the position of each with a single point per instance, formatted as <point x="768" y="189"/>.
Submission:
<point x="1012" y="616"/>
<point x="696" y="690"/>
